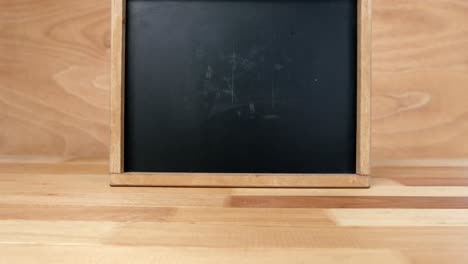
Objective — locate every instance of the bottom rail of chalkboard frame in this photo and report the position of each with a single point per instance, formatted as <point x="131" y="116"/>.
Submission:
<point x="240" y="180"/>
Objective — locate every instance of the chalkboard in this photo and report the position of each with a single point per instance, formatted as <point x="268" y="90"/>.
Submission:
<point x="240" y="86"/>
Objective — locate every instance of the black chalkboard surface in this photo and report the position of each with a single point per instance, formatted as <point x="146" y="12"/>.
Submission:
<point x="240" y="86"/>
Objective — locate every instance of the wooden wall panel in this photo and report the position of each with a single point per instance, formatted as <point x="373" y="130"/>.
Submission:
<point x="420" y="82"/>
<point x="54" y="80"/>
<point x="54" y="76"/>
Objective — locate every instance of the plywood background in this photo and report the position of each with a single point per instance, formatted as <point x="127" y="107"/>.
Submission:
<point x="54" y="81"/>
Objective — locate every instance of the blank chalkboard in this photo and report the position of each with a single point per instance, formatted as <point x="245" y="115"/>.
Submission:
<point x="240" y="86"/>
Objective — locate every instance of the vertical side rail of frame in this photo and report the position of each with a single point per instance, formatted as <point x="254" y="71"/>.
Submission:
<point x="117" y="85"/>
<point x="364" y="79"/>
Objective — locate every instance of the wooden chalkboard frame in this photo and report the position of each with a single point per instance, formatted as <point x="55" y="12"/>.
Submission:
<point x="360" y="179"/>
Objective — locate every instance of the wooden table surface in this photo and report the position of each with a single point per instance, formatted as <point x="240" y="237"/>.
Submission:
<point x="67" y="213"/>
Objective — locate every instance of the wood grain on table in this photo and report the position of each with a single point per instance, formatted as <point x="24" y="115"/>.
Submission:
<point x="67" y="213"/>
